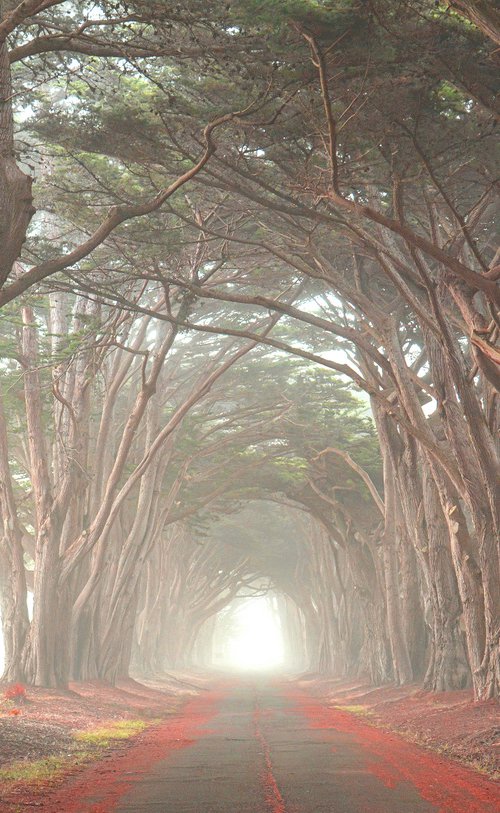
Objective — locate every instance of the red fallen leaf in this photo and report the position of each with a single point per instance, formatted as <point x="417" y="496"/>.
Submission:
<point x="16" y="692"/>
<point x="14" y="712"/>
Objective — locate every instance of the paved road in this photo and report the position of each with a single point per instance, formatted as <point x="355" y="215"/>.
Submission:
<point x="262" y="747"/>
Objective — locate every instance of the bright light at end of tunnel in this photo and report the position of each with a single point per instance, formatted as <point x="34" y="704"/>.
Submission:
<point x="257" y="641"/>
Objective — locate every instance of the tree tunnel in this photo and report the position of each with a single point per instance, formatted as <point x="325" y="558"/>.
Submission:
<point x="260" y="588"/>
<point x="249" y="336"/>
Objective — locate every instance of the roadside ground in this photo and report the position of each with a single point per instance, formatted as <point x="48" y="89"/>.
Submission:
<point x="49" y="736"/>
<point x="449" y="723"/>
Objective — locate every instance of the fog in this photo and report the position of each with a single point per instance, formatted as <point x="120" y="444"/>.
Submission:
<point x="253" y="640"/>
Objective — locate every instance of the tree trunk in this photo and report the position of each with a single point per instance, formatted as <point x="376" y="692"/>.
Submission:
<point x="482" y="13"/>
<point x="14" y="609"/>
<point x="45" y="658"/>
<point x="448" y="668"/>
<point x="403" y="672"/>
<point x="16" y="209"/>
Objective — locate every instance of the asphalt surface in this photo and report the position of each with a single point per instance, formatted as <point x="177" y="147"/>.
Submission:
<point x="259" y="754"/>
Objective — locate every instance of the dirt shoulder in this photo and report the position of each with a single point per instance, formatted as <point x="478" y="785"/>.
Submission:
<point x="52" y="735"/>
<point x="449" y="723"/>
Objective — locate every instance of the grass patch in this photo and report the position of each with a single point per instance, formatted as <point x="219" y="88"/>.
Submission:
<point x="361" y="711"/>
<point x="105" y="735"/>
<point x="40" y="770"/>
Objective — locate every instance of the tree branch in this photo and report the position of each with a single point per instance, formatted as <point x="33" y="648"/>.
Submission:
<point x="116" y="216"/>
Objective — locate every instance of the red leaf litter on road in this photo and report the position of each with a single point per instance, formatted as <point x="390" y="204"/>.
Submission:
<point x="97" y="789"/>
<point x="274" y="799"/>
<point x="449" y="786"/>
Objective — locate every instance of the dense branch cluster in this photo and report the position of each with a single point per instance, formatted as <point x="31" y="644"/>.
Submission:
<point x="250" y="334"/>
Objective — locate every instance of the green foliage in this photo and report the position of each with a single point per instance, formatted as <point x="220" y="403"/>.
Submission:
<point x="318" y="16"/>
<point x="451" y="101"/>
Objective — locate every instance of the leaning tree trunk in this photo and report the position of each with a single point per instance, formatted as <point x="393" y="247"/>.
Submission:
<point x="467" y="572"/>
<point x="414" y="628"/>
<point x="293" y="633"/>
<point x="59" y="506"/>
<point x="44" y="655"/>
<point x="403" y="672"/>
<point x="16" y="209"/>
<point x="449" y="668"/>
<point x="427" y="529"/>
<point x="482" y="13"/>
<point x="367" y="573"/>
<point x="477" y="459"/>
<point x="203" y="650"/>
<point x="14" y="609"/>
<point x="115" y="655"/>
<point x="152" y="587"/>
